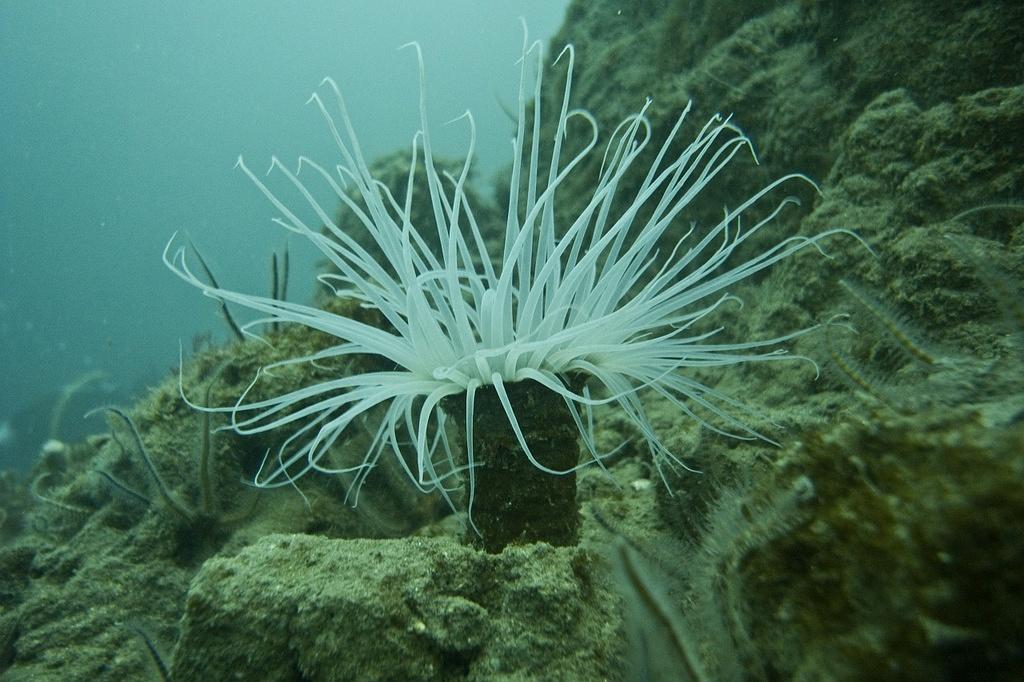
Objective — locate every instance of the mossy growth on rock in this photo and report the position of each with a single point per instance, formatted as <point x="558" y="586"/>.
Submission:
<point x="294" y="607"/>
<point x="909" y="557"/>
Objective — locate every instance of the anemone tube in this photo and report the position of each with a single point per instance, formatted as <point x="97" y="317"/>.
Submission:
<point x="567" y="316"/>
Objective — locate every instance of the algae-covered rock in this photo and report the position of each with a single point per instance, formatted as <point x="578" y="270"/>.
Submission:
<point x="295" y="607"/>
<point x="909" y="559"/>
<point x="882" y="538"/>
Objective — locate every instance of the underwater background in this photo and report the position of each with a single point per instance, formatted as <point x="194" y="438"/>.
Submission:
<point x="120" y="127"/>
<point x="880" y="539"/>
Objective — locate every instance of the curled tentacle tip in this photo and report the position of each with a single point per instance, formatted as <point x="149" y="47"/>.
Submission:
<point x="465" y="114"/>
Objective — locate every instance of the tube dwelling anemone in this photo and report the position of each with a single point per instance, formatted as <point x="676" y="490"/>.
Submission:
<point x="516" y="347"/>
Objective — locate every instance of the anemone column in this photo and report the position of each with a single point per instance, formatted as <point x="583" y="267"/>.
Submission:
<point x="515" y="502"/>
